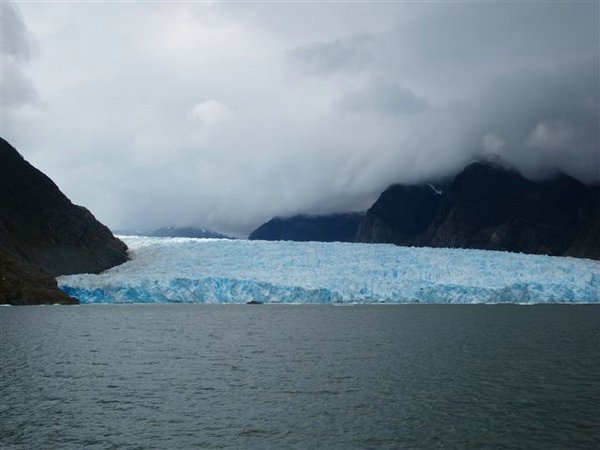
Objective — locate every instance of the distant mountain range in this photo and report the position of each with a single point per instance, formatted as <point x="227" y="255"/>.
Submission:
<point x="42" y="235"/>
<point x="486" y="206"/>
<point x="191" y="232"/>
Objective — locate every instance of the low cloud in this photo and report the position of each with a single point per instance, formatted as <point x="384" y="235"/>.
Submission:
<point x="209" y="112"/>
<point x="15" y="37"/>
<point x="545" y="119"/>
<point x="233" y="114"/>
<point x="384" y="97"/>
<point x="552" y="137"/>
<point x="329" y="57"/>
<point x="17" y="88"/>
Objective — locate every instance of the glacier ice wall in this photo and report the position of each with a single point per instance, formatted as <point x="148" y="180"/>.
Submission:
<point x="184" y="270"/>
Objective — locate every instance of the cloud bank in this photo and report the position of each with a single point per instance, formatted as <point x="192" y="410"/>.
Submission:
<point x="16" y="49"/>
<point x="225" y="114"/>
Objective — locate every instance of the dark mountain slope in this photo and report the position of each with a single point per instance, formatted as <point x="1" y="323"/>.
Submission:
<point x="26" y="284"/>
<point x="327" y="228"/>
<point x="41" y="228"/>
<point x="40" y="225"/>
<point x="489" y="207"/>
<point x="493" y="208"/>
<point x="587" y="240"/>
<point x="401" y="215"/>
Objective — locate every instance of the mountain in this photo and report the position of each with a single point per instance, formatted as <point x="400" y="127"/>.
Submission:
<point x="487" y="206"/>
<point x="587" y="241"/>
<point x="43" y="234"/>
<point x="401" y="215"/>
<point x="27" y="284"/>
<point x="191" y="232"/>
<point x="326" y="228"/>
<point x="493" y="208"/>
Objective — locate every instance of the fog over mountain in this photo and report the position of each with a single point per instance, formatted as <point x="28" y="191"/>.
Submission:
<point x="227" y="114"/>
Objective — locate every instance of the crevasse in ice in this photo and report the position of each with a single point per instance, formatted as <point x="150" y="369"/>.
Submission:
<point x="184" y="270"/>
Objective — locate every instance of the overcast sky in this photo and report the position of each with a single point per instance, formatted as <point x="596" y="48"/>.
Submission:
<point x="226" y="114"/>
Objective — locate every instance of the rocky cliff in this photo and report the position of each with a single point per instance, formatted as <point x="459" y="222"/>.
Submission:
<point x="490" y="207"/>
<point x="42" y="234"/>
<point x="26" y="284"/>
<point x="402" y="215"/>
<point x="587" y="240"/>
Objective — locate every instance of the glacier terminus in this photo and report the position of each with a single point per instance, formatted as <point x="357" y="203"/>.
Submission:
<point x="188" y="270"/>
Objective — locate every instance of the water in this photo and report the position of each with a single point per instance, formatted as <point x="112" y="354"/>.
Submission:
<point x="306" y="377"/>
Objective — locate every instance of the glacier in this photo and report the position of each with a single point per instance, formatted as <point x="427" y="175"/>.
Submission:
<point x="188" y="270"/>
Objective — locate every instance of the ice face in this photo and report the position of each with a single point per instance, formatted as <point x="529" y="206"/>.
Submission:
<point x="184" y="270"/>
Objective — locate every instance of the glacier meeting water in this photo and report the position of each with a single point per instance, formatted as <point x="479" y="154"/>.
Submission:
<point x="182" y="270"/>
<point x="300" y="377"/>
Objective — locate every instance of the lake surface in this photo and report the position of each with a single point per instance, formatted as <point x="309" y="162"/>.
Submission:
<point x="305" y="377"/>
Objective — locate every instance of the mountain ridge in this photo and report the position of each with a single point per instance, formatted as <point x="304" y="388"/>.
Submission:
<point x="43" y="234"/>
<point x="490" y="207"/>
<point x="173" y="231"/>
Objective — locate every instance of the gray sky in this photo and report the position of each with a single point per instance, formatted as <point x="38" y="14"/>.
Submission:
<point x="225" y="114"/>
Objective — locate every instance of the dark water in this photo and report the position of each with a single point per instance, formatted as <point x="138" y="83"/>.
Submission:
<point x="307" y="377"/>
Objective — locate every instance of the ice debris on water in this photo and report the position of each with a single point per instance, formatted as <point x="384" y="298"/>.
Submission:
<point x="186" y="270"/>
